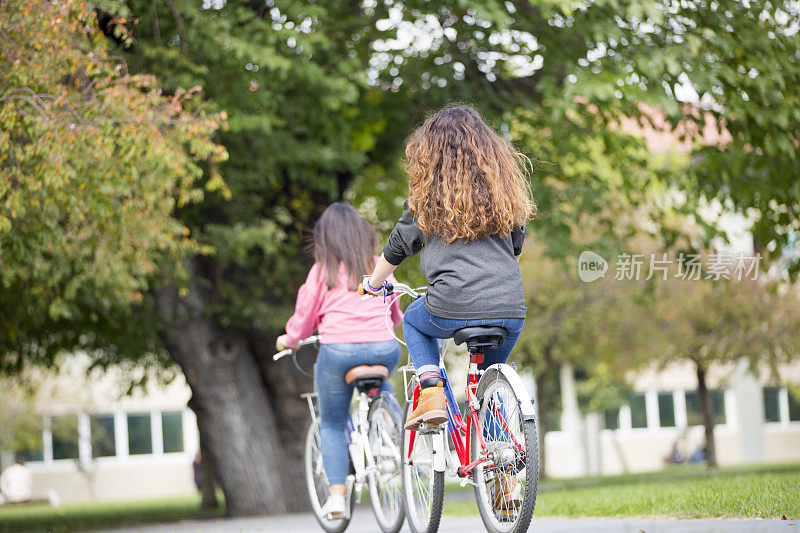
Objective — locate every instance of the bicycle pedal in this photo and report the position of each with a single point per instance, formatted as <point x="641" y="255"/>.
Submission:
<point x="505" y="515"/>
<point x="429" y="429"/>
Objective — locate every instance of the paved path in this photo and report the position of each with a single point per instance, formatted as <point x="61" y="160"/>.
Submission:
<point x="364" y="523"/>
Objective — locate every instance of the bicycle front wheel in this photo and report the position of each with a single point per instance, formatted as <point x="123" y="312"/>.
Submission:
<point x="423" y="487"/>
<point x="506" y="485"/>
<point x="385" y="485"/>
<point x="317" y="482"/>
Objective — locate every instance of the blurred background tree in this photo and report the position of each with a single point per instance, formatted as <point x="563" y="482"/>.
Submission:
<point x="319" y="98"/>
<point x="594" y="328"/>
<point x="20" y="426"/>
<point x="720" y="322"/>
<point x="95" y="161"/>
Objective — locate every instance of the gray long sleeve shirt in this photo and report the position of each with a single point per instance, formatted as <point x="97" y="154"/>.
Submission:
<point x="466" y="280"/>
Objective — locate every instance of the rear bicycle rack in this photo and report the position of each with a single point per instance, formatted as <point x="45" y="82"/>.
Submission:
<point x="408" y="391"/>
<point x="310" y="397"/>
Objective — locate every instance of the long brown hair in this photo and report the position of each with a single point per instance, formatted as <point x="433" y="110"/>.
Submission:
<point x="341" y="235"/>
<point x="465" y="181"/>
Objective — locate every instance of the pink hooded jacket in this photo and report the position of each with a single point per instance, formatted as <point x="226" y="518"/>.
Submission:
<point x="340" y="315"/>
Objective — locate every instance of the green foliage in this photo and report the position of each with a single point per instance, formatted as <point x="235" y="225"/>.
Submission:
<point x="319" y="98"/>
<point x="20" y="425"/>
<point x="95" y="163"/>
<point x="719" y="322"/>
<point x="300" y="123"/>
<point x="595" y="327"/>
<point x="576" y="70"/>
<point x="739" y="62"/>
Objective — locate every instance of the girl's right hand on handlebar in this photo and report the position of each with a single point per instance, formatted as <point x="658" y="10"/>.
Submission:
<point x="366" y="288"/>
<point x="281" y="343"/>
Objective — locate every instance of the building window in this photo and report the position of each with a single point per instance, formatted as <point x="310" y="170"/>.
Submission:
<point x="140" y="435"/>
<point x="794" y="405"/>
<point x="638" y="411"/>
<point x="172" y="431"/>
<point x="694" y="414"/>
<point x="103" y="439"/>
<point x="64" y="430"/>
<point x="28" y="441"/>
<point x="34" y="453"/>
<point x="772" y="407"/>
<point x="666" y="410"/>
<point x="611" y="419"/>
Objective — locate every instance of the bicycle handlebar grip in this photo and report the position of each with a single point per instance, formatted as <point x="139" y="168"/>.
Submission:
<point x="389" y="288"/>
<point x="281" y="354"/>
<point x="361" y="290"/>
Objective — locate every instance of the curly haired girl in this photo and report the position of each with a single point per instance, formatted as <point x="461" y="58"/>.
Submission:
<point x="468" y="203"/>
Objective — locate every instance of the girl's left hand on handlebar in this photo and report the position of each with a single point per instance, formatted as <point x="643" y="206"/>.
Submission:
<point x="281" y="344"/>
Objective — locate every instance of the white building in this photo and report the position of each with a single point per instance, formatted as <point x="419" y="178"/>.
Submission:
<point x="756" y="422"/>
<point x="100" y="444"/>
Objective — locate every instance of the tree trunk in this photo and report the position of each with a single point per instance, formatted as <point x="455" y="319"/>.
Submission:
<point x="208" y="479"/>
<point x="235" y="415"/>
<point x="708" y="417"/>
<point x="284" y="387"/>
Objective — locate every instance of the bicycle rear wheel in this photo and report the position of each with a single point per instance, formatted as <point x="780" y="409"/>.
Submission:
<point x="317" y="482"/>
<point x="505" y="488"/>
<point x="385" y="484"/>
<point x="423" y="487"/>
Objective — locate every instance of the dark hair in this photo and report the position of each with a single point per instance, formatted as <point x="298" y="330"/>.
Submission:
<point x="341" y="235"/>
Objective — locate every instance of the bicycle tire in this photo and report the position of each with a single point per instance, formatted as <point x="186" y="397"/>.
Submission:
<point x="416" y="523"/>
<point x="317" y="481"/>
<point x="490" y="382"/>
<point x="389" y="520"/>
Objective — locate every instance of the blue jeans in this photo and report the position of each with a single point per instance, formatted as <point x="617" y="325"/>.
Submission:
<point x="421" y="330"/>
<point x="333" y="362"/>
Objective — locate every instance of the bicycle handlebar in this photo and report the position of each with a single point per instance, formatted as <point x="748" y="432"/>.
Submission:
<point x="311" y="340"/>
<point x="394" y="288"/>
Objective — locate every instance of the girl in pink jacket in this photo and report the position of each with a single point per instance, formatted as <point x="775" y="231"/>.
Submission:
<point x="352" y="332"/>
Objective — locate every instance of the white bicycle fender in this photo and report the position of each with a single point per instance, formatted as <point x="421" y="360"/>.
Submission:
<point x="525" y="403"/>
<point x="440" y="450"/>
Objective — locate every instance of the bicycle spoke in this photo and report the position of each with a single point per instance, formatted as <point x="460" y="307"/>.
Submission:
<point x="501" y="487"/>
<point x="385" y="480"/>
<point x="421" y="467"/>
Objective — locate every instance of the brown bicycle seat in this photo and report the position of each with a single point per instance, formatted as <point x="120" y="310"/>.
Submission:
<point x="364" y="372"/>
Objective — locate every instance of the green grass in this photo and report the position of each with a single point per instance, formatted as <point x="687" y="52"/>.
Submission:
<point x="82" y="517"/>
<point x="684" y="492"/>
<point x="754" y="492"/>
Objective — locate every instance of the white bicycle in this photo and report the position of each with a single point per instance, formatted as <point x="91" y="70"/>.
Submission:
<point x="374" y="431"/>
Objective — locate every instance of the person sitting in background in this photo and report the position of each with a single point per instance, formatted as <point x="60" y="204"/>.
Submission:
<point x="675" y="456"/>
<point x="699" y="454"/>
<point x="16" y="482"/>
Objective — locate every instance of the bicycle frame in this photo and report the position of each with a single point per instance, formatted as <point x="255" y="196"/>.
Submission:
<point x="459" y="430"/>
<point x="357" y="442"/>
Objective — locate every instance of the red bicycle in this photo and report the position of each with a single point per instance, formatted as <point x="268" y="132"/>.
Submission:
<point x="494" y="441"/>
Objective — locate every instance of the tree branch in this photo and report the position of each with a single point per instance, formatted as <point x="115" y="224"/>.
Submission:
<point x="181" y="26"/>
<point x="156" y="30"/>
